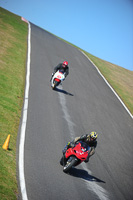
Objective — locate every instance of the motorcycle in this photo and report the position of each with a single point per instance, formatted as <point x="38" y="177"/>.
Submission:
<point x="74" y="156"/>
<point x="56" y="80"/>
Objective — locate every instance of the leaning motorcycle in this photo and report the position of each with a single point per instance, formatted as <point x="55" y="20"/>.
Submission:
<point x="56" y="80"/>
<point x="74" y="156"/>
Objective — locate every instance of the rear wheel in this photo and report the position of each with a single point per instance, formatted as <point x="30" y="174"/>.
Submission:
<point x="69" y="164"/>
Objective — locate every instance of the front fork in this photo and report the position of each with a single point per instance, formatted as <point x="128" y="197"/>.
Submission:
<point x="64" y="160"/>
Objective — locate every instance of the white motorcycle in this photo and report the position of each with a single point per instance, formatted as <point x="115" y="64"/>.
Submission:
<point x="56" y="80"/>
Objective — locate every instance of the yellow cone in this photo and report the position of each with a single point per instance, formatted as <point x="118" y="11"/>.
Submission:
<point x="6" y="143"/>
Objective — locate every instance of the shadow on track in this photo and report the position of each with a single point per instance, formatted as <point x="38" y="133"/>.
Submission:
<point x="63" y="91"/>
<point x="79" y="173"/>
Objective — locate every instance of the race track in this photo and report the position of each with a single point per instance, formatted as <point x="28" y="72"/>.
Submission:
<point x="83" y="103"/>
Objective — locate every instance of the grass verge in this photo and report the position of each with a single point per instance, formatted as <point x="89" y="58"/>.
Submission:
<point x="118" y="77"/>
<point x="13" y="52"/>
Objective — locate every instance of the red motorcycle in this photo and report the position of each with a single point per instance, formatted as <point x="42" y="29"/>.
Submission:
<point x="75" y="155"/>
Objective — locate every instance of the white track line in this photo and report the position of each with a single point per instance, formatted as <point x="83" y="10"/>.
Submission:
<point x="24" y="121"/>
<point x="91" y="185"/>
<point x="66" y="114"/>
<point x="109" y="85"/>
<point x="101" y="193"/>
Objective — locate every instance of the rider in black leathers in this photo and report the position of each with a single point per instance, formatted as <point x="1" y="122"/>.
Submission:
<point x="63" y="67"/>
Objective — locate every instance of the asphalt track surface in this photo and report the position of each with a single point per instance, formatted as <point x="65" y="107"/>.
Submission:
<point x="83" y="103"/>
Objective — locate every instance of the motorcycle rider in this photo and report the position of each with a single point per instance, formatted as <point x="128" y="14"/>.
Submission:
<point x="62" y="66"/>
<point x="89" y="138"/>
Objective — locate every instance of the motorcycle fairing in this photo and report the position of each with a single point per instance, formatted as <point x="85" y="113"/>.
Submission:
<point x="80" y="151"/>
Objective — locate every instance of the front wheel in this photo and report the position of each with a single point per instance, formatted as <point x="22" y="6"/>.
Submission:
<point x="72" y="161"/>
<point x="55" y="85"/>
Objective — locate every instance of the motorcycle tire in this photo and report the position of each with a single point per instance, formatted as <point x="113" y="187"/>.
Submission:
<point x="55" y="85"/>
<point x="72" y="161"/>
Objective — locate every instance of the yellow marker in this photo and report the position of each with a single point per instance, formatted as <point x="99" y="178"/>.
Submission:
<point x="6" y="143"/>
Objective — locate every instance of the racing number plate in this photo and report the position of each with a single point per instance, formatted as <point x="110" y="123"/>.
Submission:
<point x="59" y="76"/>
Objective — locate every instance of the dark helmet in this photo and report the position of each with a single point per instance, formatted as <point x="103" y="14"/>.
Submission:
<point x="65" y="63"/>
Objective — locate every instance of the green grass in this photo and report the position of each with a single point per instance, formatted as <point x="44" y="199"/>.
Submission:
<point x="13" y="52"/>
<point x="118" y="77"/>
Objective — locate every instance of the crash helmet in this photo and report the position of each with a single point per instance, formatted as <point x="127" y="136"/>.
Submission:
<point x="93" y="136"/>
<point x="65" y="63"/>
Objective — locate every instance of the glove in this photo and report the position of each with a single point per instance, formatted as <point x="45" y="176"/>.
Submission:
<point x="65" y="148"/>
<point x="72" y="144"/>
